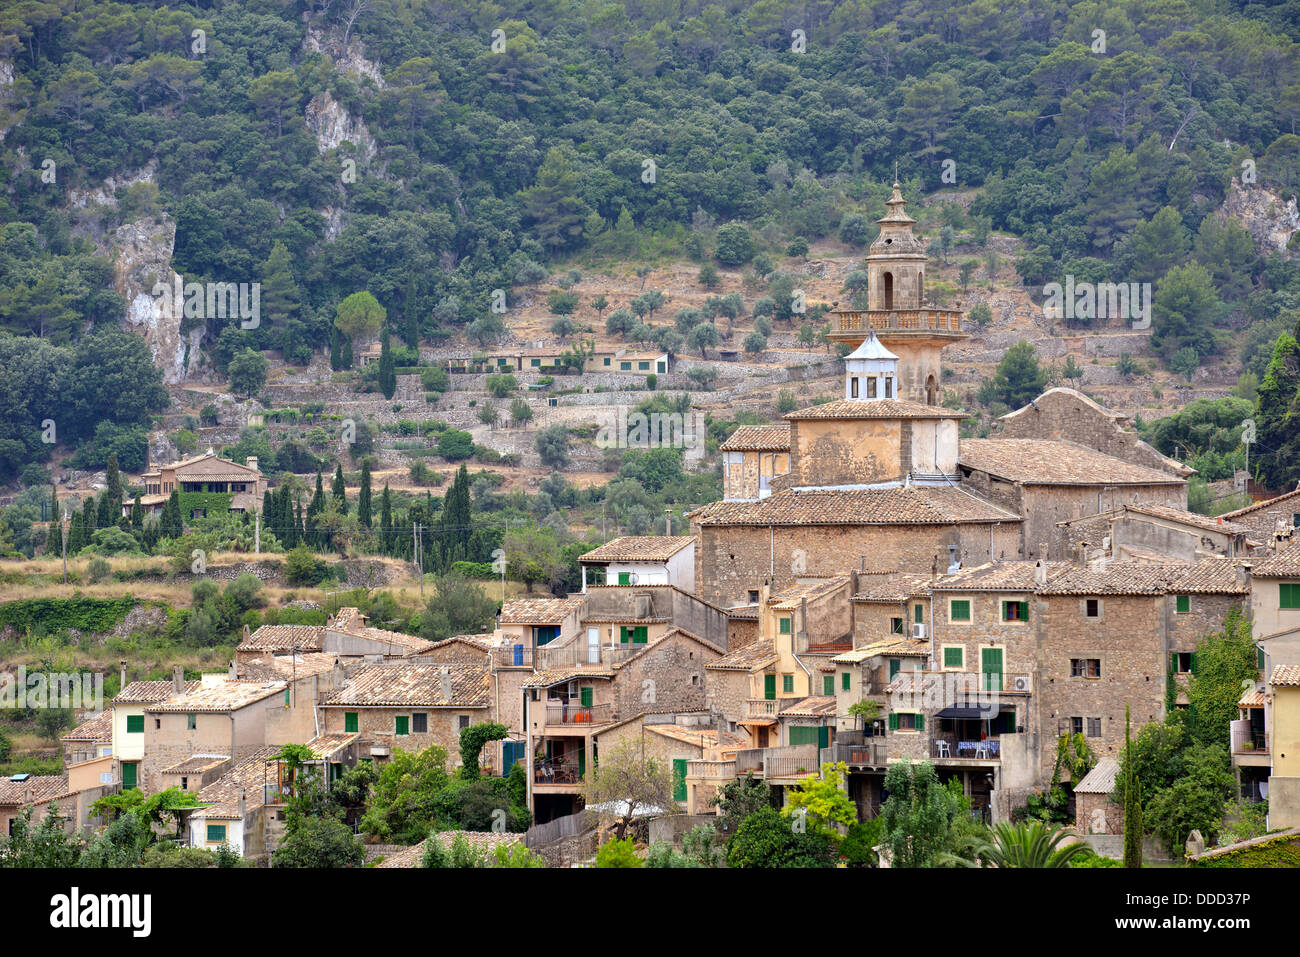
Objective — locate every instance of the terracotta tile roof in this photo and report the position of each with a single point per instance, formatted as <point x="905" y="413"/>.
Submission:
<point x="285" y="638"/>
<point x="324" y="746"/>
<point x="874" y="409"/>
<point x="555" y="676"/>
<point x="699" y="737"/>
<point x="1210" y="576"/>
<point x="894" y="647"/>
<point x="757" y="654"/>
<point x="197" y="764"/>
<point x="1053" y="462"/>
<point x="1115" y="578"/>
<point x="1184" y="517"/>
<point x="650" y="646"/>
<point x="350" y="621"/>
<point x="1260" y="506"/>
<point x="250" y="776"/>
<point x="790" y="598"/>
<point x="42" y="787"/>
<point x="914" y="505"/>
<point x="814" y="706"/>
<point x="1285" y="564"/>
<point x="1286" y="676"/>
<point x="1252" y="698"/>
<point x="409" y="683"/>
<point x="758" y="438"/>
<point x="227" y="696"/>
<point x="269" y="667"/>
<point x="998" y="576"/>
<point x="892" y="586"/>
<point x="539" y="611"/>
<point x="98" y="728"/>
<point x="639" y="548"/>
<point x="743" y="612"/>
<point x="149" y="692"/>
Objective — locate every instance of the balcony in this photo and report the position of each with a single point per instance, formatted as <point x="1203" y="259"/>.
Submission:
<point x="557" y="773"/>
<point x="763" y="707"/>
<point x="897" y="320"/>
<point x="870" y="753"/>
<point x="576" y="653"/>
<point x="704" y="769"/>
<point x="568" y="714"/>
<point x="799" y="760"/>
<point x="513" y="656"/>
<point x="951" y="747"/>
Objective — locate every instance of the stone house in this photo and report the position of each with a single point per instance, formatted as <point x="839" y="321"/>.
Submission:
<point x="1095" y="809"/>
<point x="1270" y="518"/>
<point x="528" y="624"/>
<point x="129" y="720"/>
<point x="411" y="706"/>
<point x="203" y="473"/>
<point x="90" y="740"/>
<point x="752" y="456"/>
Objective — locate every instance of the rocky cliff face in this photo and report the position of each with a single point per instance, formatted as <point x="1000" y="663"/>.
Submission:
<point x="349" y="61"/>
<point x="142" y="257"/>
<point x="332" y="126"/>
<point x="1269" y="219"/>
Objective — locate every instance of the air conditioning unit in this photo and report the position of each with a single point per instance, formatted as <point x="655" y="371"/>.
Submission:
<point x="918" y="630"/>
<point x="1022" y="683"/>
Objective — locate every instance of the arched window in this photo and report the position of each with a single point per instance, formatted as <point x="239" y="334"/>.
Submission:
<point x="931" y="391"/>
<point x="889" y="290"/>
<point x="920" y="288"/>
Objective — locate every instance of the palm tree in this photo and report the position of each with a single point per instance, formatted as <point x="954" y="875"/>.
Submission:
<point x="1026" y="844"/>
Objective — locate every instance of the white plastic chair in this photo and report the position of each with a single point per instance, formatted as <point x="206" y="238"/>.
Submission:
<point x="983" y="751"/>
<point x="944" y="751"/>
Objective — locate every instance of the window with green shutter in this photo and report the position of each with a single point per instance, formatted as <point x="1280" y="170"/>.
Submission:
<point x="918" y="612"/>
<point x="783" y="624"/>
<point x="1015" y="611"/>
<point x="585" y="696"/>
<point x="846" y="680"/>
<point x="350" y="724"/>
<point x="402" y="724"/>
<point x="130" y="774"/>
<point x="286" y="697"/>
<point x="625" y="367"/>
<point x="895" y="626"/>
<point x="991" y="668"/>
<point x="640" y="635"/>
<point x="216" y="833"/>
<point x="828" y="684"/>
<point x="643" y="366"/>
<point x="135" y="724"/>
<point x="959" y="610"/>
<point x="787" y="684"/>
<point x="625" y="578"/>
<point x="1259" y="658"/>
<point x="191" y="722"/>
<point x="893" y="668"/>
<point x="893" y="722"/>
<point x="954" y="657"/>
<point x="1289" y="596"/>
<point x="1182" y="604"/>
<point x="769" y="687"/>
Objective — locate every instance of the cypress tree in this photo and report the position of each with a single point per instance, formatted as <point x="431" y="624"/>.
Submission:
<point x="314" y="508"/>
<point x="336" y="353"/>
<point x="387" y="369"/>
<point x="345" y="354"/>
<point x="54" y="538"/>
<point x="386" y="521"/>
<point x="411" y="319"/>
<point x="173" y="523"/>
<point x="137" y="514"/>
<point x="104" y="511"/>
<point x="339" y="491"/>
<point x="297" y="524"/>
<point x="1133" y="827"/>
<point x="455" y="525"/>
<point x="113" y="481"/>
<point x="363" y="498"/>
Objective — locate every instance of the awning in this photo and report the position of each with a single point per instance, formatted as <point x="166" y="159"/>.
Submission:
<point x="757" y="722"/>
<point x="964" y="713"/>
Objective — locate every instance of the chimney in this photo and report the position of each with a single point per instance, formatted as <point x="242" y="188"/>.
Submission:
<point x="1040" y="572"/>
<point x="954" y="562"/>
<point x="233" y="673"/>
<point x="1081" y="555"/>
<point x="934" y="568"/>
<point x="178" y="679"/>
<point x="446" y="683"/>
<point x="246" y="633"/>
<point x="243" y="804"/>
<point x="1243" y="573"/>
<point x="853" y="582"/>
<point x="337" y="672"/>
<point x="251" y="462"/>
<point x="123" y="664"/>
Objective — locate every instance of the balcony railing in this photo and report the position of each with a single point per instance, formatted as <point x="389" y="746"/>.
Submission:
<point x="518" y="655"/>
<point x="561" y="713"/>
<point x="871" y="753"/>
<point x="763" y="708"/>
<point x="577" y="653"/>
<point x="899" y="319"/>
<point x="985" y="749"/>
<point x="709" y="769"/>
<point x="778" y="762"/>
<point x="551" y="773"/>
<point x="1251" y="742"/>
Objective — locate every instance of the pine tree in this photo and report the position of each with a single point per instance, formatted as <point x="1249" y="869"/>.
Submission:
<point x="339" y="491"/>
<point x="387" y="369"/>
<point x="281" y="296"/>
<point x="1132" y="801"/>
<point x="363" y="499"/>
<point x="386" y="521"/>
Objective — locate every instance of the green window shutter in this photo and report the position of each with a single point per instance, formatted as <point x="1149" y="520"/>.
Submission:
<point x="1183" y="604"/>
<point x="130" y="771"/>
<point x="584" y="695"/>
<point x="1173" y="663"/>
<point x="135" y="724"/>
<point x="622" y="633"/>
<point x="402" y="724"/>
<point x="1192" y="667"/>
<point x="920" y="721"/>
<point x="1289" y="596"/>
<point x="919" y="614"/>
<point x="828" y="684"/>
<point x="625" y="578"/>
<point x="1259" y="658"/>
<point x="783" y="625"/>
<point x="952" y="657"/>
<point x="286" y="697"/>
<point x="846" y="680"/>
<point x="1024" y="611"/>
<point x="679" y="779"/>
<point x="216" y="833"/>
<point x="960" y="610"/>
<point x="896" y="626"/>
<point x="893" y="722"/>
<point x="893" y="668"/>
<point x="191" y="722"/>
<point x="350" y="721"/>
<point x="787" y="684"/>
<point x="769" y="687"/>
<point x="641" y="635"/>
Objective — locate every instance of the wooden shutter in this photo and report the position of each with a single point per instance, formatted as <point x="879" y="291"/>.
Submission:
<point x="625" y="578"/>
<point x="920" y="721"/>
<point x="1184" y="604"/>
<point x="622" y="633"/>
<point x="1024" y="611"/>
<point x="1192" y="667"/>
<point x="828" y="684"/>
<point x="893" y="722"/>
<point x="402" y="724"/>
<point x="1173" y="663"/>
<point x="584" y="695"/>
<point x="135" y="724"/>
<point x="846" y="680"/>
<point x="769" y="687"/>
<point x="350" y="721"/>
<point x="129" y="774"/>
<point x="893" y="668"/>
<point x="952" y="657"/>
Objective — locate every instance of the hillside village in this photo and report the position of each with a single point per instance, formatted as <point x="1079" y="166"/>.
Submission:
<point x="875" y="597"/>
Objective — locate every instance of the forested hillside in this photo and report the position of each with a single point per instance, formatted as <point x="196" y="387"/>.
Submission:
<point x="430" y="153"/>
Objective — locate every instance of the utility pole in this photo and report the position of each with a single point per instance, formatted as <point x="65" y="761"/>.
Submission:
<point x="420" y="535"/>
<point x="668" y="520"/>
